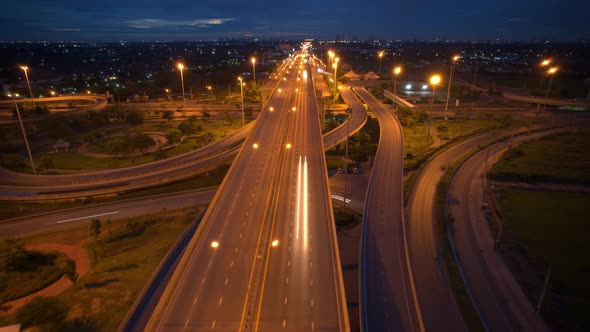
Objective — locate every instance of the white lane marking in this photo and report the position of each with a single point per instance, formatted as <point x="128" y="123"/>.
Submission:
<point x="231" y="264"/>
<point x="92" y="216"/>
<point x="287" y="280"/>
<point x="213" y="325"/>
<point x="305" y="205"/>
<point x="312" y="326"/>
<point x="312" y="303"/>
<point x="186" y="324"/>
<point x="220" y="300"/>
<point x="340" y="198"/>
<point x="298" y="196"/>
<point x="284" y="323"/>
<point x="285" y="300"/>
<point x="226" y="280"/>
<point x="195" y="301"/>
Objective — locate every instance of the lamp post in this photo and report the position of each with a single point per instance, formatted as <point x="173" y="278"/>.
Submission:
<point x="254" y="68"/>
<point x="543" y="64"/>
<point x="209" y="90"/>
<point x="181" y="67"/>
<point x="455" y="59"/>
<point x="380" y="60"/>
<point x="167" y="93"/>
<point x="331" y="54"/>
<point x="22" y="127"/>
<point x="242" y="94"/>
<point x="551" y="73"/>
<point x="396" y="71"/>
<point x="348" y="111"/>
<point x="26" y="69"/>
<point x="434" y="81"/>
<point x="335" y="77"/>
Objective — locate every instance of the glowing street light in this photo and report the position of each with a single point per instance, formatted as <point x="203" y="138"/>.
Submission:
<point x="455" y="59"/>
<point x="380" y="54"/>
<point x="26" y="69"/>
<point x="434" y="81"/>
<point x="551" y="73"/>
<point x="181" y="68"/>
<point x="22" y="127"/>
<point x="275" y="243"/>
<point x="254" y="68"/>
<point x="331" y="54"/>
<point x="214" y="244"/>
<point x="543" y="64"/>
<point x="396" y="71"/>
<point x="335" y="77"/>
<point x="242" y="94"/>
<point x="210" y="90"/>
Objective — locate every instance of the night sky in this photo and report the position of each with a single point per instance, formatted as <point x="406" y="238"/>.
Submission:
<point x="111" y="20"/>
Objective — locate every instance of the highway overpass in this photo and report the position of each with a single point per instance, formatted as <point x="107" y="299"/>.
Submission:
<point x="265" y="257"/>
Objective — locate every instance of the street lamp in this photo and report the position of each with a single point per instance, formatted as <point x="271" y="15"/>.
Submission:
<point x="22" y="127"/>
<point x="551" y="73"/>
<point x="26" y="69"/>
<point x="254" y="68"/>
<point x="543" y="64"/>
<point x="434" y="81"/>
<point x="335" y="77"/>
<point x="181" y="67"/>
<point x="380" y="58"/>
<point x="331" y="54"/>
<point x="348" y="111"/>
<point x="242" y="94"/>
<point x="167" y="93"/>
<point x="210" y="90"/>
<point x="396" y="71"/>
<point x="455" y="59"/>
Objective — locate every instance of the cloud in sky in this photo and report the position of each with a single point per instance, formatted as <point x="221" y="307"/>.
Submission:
<point x="148" y="23"/>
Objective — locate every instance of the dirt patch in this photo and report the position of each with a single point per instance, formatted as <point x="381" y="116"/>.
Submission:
<point x="74" y="252"/>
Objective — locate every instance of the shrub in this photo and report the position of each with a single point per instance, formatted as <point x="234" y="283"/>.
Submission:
<point x="41" y="310"/>
<point x="13" y="256"/>
<point x="135" y="117"/>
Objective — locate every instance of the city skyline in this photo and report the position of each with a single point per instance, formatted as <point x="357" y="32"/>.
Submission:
<point x="207" y="20"/>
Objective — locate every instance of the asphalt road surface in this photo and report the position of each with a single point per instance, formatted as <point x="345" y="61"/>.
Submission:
<point x="387" y="292"/>
<point x="499" y="299"/>
<point x="265" y="256"/>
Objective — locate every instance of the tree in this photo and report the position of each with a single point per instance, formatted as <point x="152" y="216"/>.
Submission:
<point x="118" y="145"/>
<point x="421" y="116"/>
<point x="13" y="256"/>
<point x="186" y="127"/>
<point x="46" y="162"/>
<point x="173" y="136"/>
<point x="42" y="310"/>
<point x="135" y="117"/>
<point x="95" y="228"/>
<point x="168" y="115"/>
<point x="140" y="142"/>
<point x="70" y="271"/>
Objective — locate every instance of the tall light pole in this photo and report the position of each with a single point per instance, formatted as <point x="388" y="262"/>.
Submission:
<point x="210" y="91"/>
<point x="242" y="94"/>
<point x="331" y="54"/>
<point x="543" y="64"/>
<point x="380" y="54"/>
<point x="551" y="73"/>
<point x="181" y="67"/>
<point x="26" y="69"/>
<point x="454" y="61"/>
<point x="434" y="81"/>
<point x="167" y="93"/>
<point x="335" y="77"/>
<point x="348" y="111"/>
<point x="396" y="71"/>
<point x="22" y="127"/>
<point x="254" y="68"/>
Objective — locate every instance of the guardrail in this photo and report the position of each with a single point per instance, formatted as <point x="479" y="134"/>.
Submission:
<point x="145" y="303"/>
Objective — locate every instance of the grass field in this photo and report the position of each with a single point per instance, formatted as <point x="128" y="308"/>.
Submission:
<point x="45" y="268"/>
<point x="73" y="160"/>
<point x="123" y="263"/>
<point x="550" y="229"/>
<point x="560" y="158"/>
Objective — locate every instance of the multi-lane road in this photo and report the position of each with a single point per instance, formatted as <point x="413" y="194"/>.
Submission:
<point x="388" y="297"/>
<point x="265" y="256"/>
